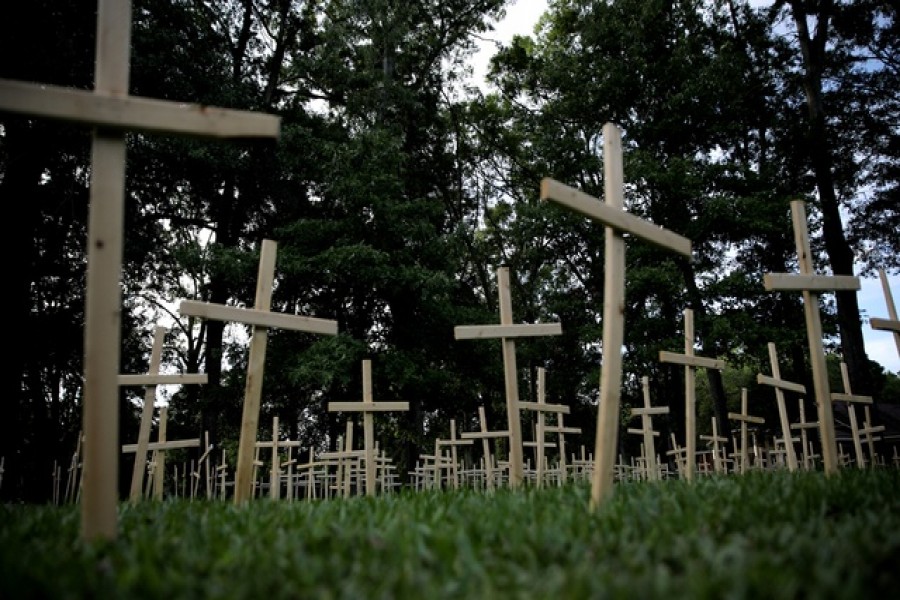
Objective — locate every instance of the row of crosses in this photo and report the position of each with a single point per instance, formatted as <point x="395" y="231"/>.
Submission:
<point x="112" y="112"/>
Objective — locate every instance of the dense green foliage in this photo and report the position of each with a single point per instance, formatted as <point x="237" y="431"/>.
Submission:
<point x="764" y="535"/>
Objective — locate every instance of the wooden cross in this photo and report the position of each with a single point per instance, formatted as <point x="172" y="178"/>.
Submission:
<point x="158" y="448"/>
<point x="892" y="324"/>
<point x="367" y="407"/>
<point x="541" y="408"/>
<point x="561" y="430"/>
<point x="716" y="439"/>
<point x="276" y="444"/>
<point x="151" y="380"/>
<point x="744" y="417"/>
<point x="453" y="442"/>
<point x="112" y="112"/>
<point x="691" y="364"/>
<point x="805" y="443"/>
<point x="262" y="320"/>
<point x="506" y="331"/>
<point x="850" y="398"/>
<point x="810" y="284"/>
<point x="617" y="222"/>
<point x="484" y="435"/>
<point x="678" y="453"/>
<point x="780" y="385"/>
<point x="646" y="413"/>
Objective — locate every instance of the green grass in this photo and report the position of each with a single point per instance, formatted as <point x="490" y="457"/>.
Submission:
<point x="772" y="535"/>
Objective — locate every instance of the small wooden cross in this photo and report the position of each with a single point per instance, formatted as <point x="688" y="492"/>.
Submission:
<point x="484" y="435"/>
<point x="367" y="407"/>
<point x="850" y="398"/>
<point x="506" y="331"/>
<point x="691" y="364"/>
<point x="262" y="320"/>
<point x="151" y="380"/>
<point x="453" y="443"/>
<point x="561" y="430"/>
<point x="805" y="442"/>
<point x="810" y="284"/>
<point x="892" y="324"/>
<point x="646" y="413"/>
<point x="541" y="408"/>
<point x="780" y="385"/>
<point x="112" y="112"/>
<point x="716" y="439"/>
<point x="617" y="222"/>
<point x="745" y="418"/>
<point x="276" y="445"/>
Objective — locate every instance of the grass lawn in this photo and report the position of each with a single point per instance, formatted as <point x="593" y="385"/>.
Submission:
<point x="763" y="535"/>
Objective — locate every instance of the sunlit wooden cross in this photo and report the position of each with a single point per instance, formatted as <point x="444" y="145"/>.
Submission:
<point x="646" y="413"/>
<point x="780" y="386"/>
<point x="453" y="443"/>
<point x="744" y="417"/>
<point x="892" y="324"/>
<point x="617" y="222"/>
<point x="811" y="284"/>
<point x="150" y="381"/>
<point x="542" y="408"/>
<point x="368" y="406"/>
<point x="262" y="320"/>
<point x="485" y="436"/>
<point x="691" y="364"/>
<point x="850" y="398"/>
<point x="506" y="331"/>
<point x="112" y="112"/>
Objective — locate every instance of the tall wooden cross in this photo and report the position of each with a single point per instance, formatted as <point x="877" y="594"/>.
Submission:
<point x="151" y="380"/>
<point x="744" y="417"/>
<point x="368" y="406"/>
<point x="484" y="435"/>
<point x="780" y="385"/>
<point x="112" y="112"/>
<point x="262" y="320"/>
<point x="892" y="324"/>
<point x="617" y="222"/>
<point x="691" y="364"/>
<point x="811" y="285"/>
<point x="506" y="331"/>
<point x="646" y="413"/>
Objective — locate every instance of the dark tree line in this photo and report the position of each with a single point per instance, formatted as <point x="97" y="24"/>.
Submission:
<point x="398" y="187"/>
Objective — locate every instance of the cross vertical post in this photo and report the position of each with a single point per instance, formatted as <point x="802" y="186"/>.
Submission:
<point x="809" y="284"/>
<point x="646" y="413"/>
<point x="616" y="221"/>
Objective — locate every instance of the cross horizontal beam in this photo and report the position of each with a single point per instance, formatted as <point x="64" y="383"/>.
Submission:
<point x="809" y="283"/>
<point x="478" y="435"/>
<point x="259" y="318"/>
<point x="618" y="219"/>
<point x="691" y="361"/>
<point x="543" y="407"/>
<point x="367" y="406"/>
<point x="653" y="410"/>
<point x="780" y="383"/>
<point x="885" y="324"/>
<point x="134" y="113"/>
<point x="641" y="431"/>
<point x="173" y="445"/>
<point x="487" y="332"/>
<point x="163" y="379"/>
<point x="746" y="418"/>
<point x="557" y="429"/>
<point x="837" y="397"/>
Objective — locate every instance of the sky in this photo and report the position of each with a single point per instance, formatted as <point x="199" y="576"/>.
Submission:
<point x="521" y="17"/>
